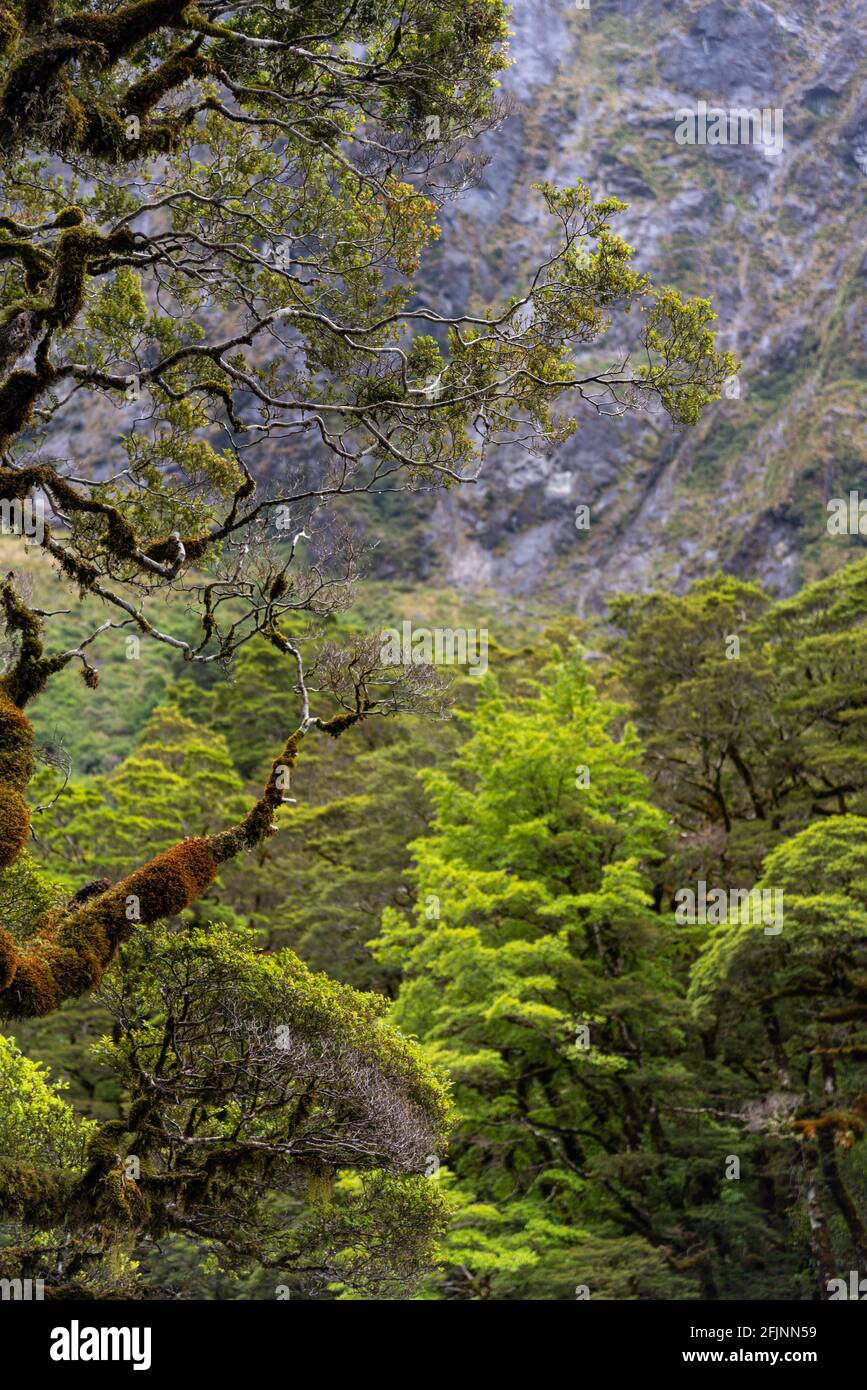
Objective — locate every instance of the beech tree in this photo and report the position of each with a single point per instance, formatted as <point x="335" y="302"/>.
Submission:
<point x="747" y="750"/>
<point x="212" y="219"/>
<point x="787" y="1016"/>
<point x="536" y="970"/>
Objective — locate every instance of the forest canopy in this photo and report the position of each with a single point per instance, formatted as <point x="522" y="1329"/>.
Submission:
<point x="339" y="994"/>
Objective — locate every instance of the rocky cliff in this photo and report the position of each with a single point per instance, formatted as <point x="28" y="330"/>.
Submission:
<point x="775" y="236"/>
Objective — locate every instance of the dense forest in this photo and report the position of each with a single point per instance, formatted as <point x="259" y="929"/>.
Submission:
<point x="364" y="937"/>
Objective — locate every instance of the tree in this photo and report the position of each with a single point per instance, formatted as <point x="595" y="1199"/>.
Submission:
<point x="748" y="744"/>
<point x="249" y="290"/>
<point x="248" y="1078"/>
<point x="789" y="1013"/>
<point x="537" y="971"/>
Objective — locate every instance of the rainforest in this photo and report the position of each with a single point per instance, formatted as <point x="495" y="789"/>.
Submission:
<point x="433" y="654"/>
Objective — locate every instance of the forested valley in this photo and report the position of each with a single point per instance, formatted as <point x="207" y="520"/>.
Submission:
<point x="377" y="924"/>
<point x="649" y="1109"/>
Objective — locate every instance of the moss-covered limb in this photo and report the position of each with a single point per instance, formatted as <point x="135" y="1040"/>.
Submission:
<point x="177" y="69"/>
<point x="341" y="722"/>
<point x="18" y="396"/>
<point x="195" y="547"/>
<point x="34" y="1196"/>
<point x="26" y="677"/>
<point x="258" y="824"/>
<point x="104" y="135"/>
<point x="69" y="952"/>
<point x="10" y="32"/>
<point x="37" y="263"/>
<point x="212" y="387"/>
<point x="77" y="248"/>
<point x="32" y="669"/>
<point x="40" y="71"/>
<point x="68" y="217"/>
<point x="119" y="33"/>
<point x="14" y="829"/>
<point x="164" y="557"/>
<point x="91" y="128"/>
<point x="45" y="1198"/>
<point x="120" y="536"/>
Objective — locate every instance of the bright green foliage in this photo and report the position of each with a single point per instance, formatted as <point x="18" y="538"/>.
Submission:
<point x="269" y="1080"/>
<point x="250" y="1085"/>
<point x="177" y="782"/>
<point x="537" y="972"/>
<point x="35" y="1121"/>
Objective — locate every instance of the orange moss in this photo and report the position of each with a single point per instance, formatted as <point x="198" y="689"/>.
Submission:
<point x="70" y="953"/>
<point x="14" y="825"/>
<point x="8" y="958"/>
<point x="172" y="881"/>
<point x="35" y="989"/>
<point x="16" y="745"/>
<point x="847" y="1126"/>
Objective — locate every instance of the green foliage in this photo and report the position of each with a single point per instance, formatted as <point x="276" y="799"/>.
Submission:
<point x="35" y="1121"/>
<point x="705" y="717"/>
<point x="177" y="782"/>
<point x="533" y="966"/>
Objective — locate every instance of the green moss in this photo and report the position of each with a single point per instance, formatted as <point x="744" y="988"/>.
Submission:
<point x="258" y="824"/>
<point x="105" y="136"/>
<point x="10" y="33"/>
<point x="77" y="248"/>
<point x="36" y="1196"/>
<point x="80" y="571"/>
<point x="69" y="953"/>
<point x="36" y="263"/>
<point x="14" y="825"/>
<point x="117" y="34"/>
<point x="336" y="726"/>
<point x="177" y="69"/>
<point x="18" y="395"/>
<point x="70" y="217"/>
<point x="40" y="71"/>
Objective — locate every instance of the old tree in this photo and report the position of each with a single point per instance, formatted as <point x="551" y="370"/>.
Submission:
<point x="212" y="218"/>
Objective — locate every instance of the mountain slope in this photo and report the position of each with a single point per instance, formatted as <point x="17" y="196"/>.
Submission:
<point x="777" y="240"/>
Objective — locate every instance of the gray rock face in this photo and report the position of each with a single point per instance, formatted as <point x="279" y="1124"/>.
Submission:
<point x="777" y="240"/>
